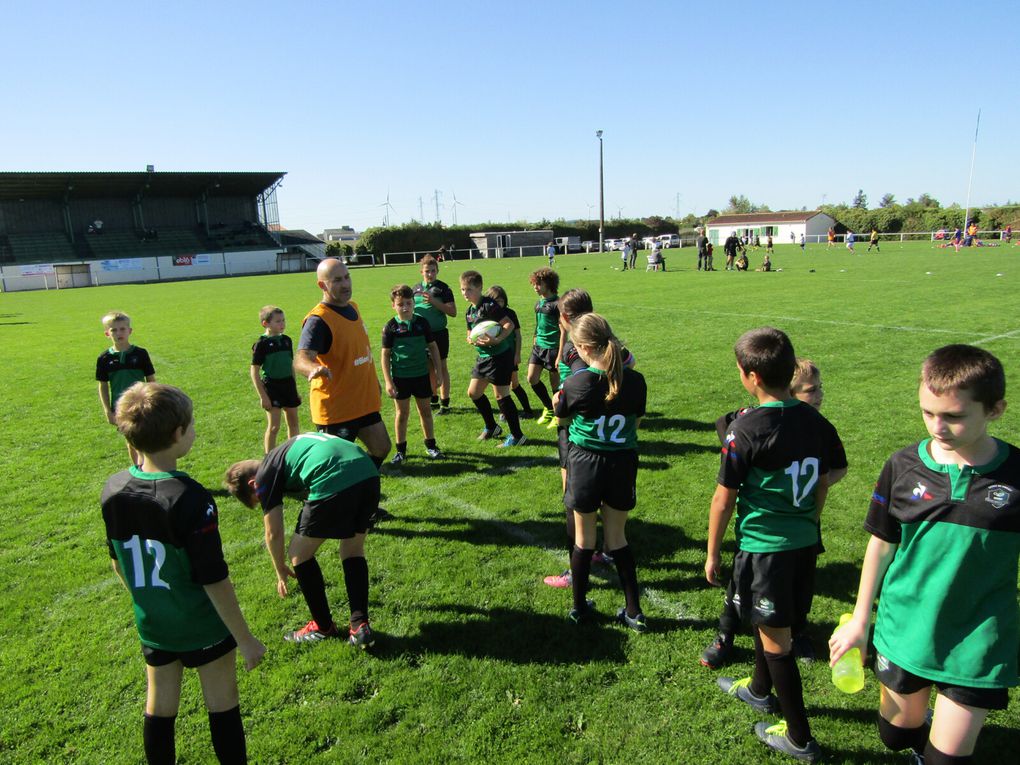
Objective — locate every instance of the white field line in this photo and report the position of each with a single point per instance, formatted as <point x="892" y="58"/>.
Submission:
<point x="831" y="322"/>
<point x="661" y="601"/>
<point x="1003" y="336"/>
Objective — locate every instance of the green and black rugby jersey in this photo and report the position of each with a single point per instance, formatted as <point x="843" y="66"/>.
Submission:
<point x="570" y="361"/>
<point x="512" y="315"/>
<point x="275" y="355"/>
<point x="122" y="369"/>
<point x="408" y="343"/>
<point x="948" y="609"/>
<point x="311" y="465"/>
<point x="162" y="528"/>
<point x="775" y="455"/>
<point x="547" y="323"/>
<point x="596" y="424"/>
<point x="489" y="310"/>
<point x="439" y="291"/>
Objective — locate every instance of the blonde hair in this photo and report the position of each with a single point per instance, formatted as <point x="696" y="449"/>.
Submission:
<point x="267" y="312"/>
<point x="804" y="371"/>
<point x="236" y="479"/>
<point x="115" y="316"/>
<point x="593" y="331"/>
<point x="149" y="415"/>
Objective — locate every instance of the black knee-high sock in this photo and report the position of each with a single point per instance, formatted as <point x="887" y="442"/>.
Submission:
<point x="313" y="587"/>
<point x="933" y="756"/>
<point x="158" y="739"/>
<point x="897" y="739"/>
<point x="485" y="409"/>
<point x="402" y="447"/>
<point x="543" y="394"/>
<point x="506" y="406"/>
<point x="786" y="678"/>
<point x="228" y="736"/>
<point x="522" y="396"/>
<point x="761" y="678"/>
<point x="580" y="571"/>
<point x="626" y="569"/>
<point x="356" y="582"/>
<point x="570" y="531"/>
<point x="378" y="461"/>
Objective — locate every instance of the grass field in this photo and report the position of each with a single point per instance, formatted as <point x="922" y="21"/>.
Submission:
<point x="475" y="660"/>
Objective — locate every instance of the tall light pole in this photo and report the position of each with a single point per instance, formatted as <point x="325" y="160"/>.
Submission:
<point x="602" y="198"/>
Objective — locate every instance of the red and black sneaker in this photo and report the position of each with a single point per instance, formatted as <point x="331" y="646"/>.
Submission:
<point x="311" y="632"/>
<point x="362" y="636"/>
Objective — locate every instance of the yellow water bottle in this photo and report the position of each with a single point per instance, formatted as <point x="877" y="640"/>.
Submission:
<point x="848" y="672"/>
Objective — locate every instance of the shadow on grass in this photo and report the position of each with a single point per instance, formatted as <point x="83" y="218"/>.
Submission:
<point x="837" y="580"/>
<point x="655" y="421"/>
<point x="519" y="637"/>
<point x="664" y="448"/>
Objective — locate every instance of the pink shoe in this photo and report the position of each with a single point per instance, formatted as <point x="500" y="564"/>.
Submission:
<point x="601" y="558"/>
<point x="562" y="581"/>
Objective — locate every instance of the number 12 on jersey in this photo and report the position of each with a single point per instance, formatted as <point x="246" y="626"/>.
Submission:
<point x="156" y="551"/>
<point x="797" y="471"/>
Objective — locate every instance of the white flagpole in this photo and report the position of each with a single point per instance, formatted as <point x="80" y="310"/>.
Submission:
<point x="973" y="154"/>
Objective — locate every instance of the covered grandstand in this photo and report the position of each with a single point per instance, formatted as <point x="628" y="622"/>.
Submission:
<point x="80" y="216"/>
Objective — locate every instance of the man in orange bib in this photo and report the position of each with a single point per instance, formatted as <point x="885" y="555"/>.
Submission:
<point x="335" y="356"/>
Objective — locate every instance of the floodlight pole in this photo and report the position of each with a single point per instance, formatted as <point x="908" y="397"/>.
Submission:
<point x="970" y="179"/>
<point x="602" y="197"/>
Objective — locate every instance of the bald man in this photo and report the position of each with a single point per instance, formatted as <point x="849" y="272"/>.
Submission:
<point x="335" y="356"/>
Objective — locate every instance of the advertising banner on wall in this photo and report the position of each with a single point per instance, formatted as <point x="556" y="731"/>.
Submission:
<point x="121" y="264"/>
<point x="38" y="269"/>
<point x="191" y="260"/>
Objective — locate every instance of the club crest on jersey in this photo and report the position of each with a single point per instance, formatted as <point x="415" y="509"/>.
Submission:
<point x="881" y="663"/>
<point x="920" y="492"/>
<point x="999" y="495"/>
<point x="765" y="607"/>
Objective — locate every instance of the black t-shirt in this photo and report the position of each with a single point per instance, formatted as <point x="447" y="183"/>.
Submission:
<point x="316" y="334"/>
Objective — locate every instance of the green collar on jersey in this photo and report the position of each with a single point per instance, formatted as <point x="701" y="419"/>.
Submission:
<point x="113" y="349"/>
<point x="407" y="323"/>
<point x="959" y="475"/>
<point x="594" y="371"/>
<point x="782" y="404"/>
<point x="137" y="473"/>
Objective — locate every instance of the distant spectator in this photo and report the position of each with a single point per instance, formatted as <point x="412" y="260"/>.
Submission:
<point x="634" y="247"/>
<point x="766" y="264"/>
<point x="831" y="236"/>
<point x="803" y="241"/>
<point x="702" y="243"/>
<point x="730" y="247"/>
<point x="850" y="240"/>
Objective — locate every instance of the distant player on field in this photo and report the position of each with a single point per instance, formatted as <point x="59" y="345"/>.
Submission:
<point x="945" y="542"/>
<point x="272" y="374"/>
<point x="119" y="367"/>
<point x="164" y="542"/>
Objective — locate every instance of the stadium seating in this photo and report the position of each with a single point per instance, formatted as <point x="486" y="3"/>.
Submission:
<point x="127" y="244"/>
<point x="40" y="248"/>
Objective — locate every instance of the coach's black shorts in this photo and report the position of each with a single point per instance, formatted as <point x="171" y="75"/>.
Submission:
<point x="442" y="338"/>
<point x="418" y="387"/>
<point x="543" y="357"/>
<point x="341" y="515"/>
<point x="597" y="478"/>
<point x="349" y="430"/>
<point x="282" y="392"/>
<point x="157" y="657"/>
<point x="774" y="589"/>
<point x="897" y="679"/>
<point x="496" y="369"/>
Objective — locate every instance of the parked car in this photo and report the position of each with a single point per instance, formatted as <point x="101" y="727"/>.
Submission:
<point x="669" y="240"/>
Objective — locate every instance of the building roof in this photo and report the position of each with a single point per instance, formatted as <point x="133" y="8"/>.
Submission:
<point x="298" y="236"/>
<point x="764" y="217"/>
<point x="92" y="185"/>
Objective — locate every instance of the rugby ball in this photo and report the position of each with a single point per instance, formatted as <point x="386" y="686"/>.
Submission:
<point x="490" y="328"/>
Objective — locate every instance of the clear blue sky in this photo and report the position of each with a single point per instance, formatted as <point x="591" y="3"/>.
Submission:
<point x="785" y="103"/>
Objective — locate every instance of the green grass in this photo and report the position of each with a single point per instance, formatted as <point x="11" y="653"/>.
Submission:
<point x="475" y="661"/>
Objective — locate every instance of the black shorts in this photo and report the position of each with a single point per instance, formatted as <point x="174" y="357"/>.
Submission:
<point x="496" y="369"/>
<point x="282" y="392"/>
<point x="598" y="478"/>
<point x="897" y="679"/>
<point x="442" y="338"/>
<point x="341" y="515"/>
<point x="563" y="444"/>
<point x="543" y="357"/>
<point x="349" y="430"/>
<point x="418" y="387"/>
<point x="157" y="657"/>
<point x="774" y="589"/>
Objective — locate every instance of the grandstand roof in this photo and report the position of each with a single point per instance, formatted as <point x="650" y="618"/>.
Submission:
<point x="90" y="185"/>
<point x="764" y="217"/>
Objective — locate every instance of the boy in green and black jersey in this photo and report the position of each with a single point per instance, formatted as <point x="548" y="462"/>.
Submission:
<point x="546" y="284"/>
<point x="164" y="542"/>
<point x="119" y="367"/>
<point x="433" y="299"/>
<point x="774" y="472"/>
<point x="944" y="549"/>
<point x="495" y="362"/>
<point x="272" y="374"/>
<point x="340" y="484"/>
<point x="409" y="350"/>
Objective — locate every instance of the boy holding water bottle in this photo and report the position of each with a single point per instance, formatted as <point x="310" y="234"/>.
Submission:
<point x="945" y="543"/>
